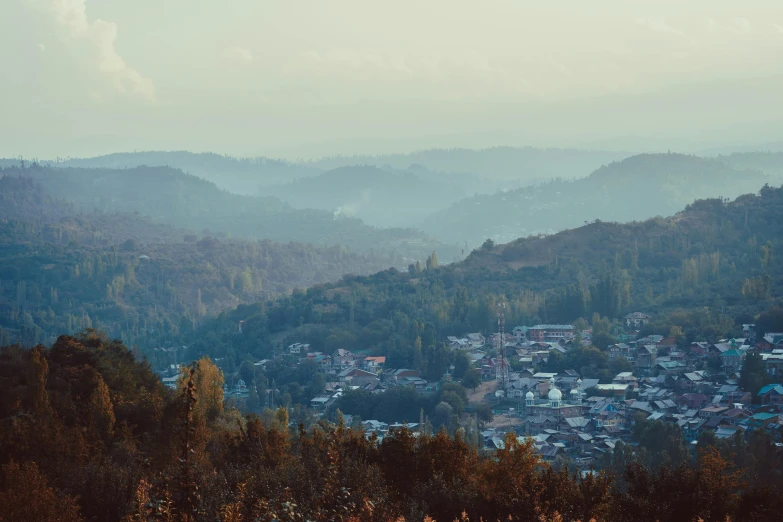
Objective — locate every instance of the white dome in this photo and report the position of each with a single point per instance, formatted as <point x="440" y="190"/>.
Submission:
<point x="574" y="392"/>
<point x="529" y="396"/>
<point x="555" y="395"/>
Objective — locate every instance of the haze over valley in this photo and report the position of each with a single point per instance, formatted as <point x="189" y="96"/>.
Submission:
<point x="407" y="261"/>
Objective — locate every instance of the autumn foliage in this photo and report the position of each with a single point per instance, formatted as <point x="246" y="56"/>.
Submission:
<point x="89" y="433"/>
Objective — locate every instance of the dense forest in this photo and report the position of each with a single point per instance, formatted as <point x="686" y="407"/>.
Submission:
<point x="88" y="433"/>
<point x="639" y="187"/>
<point x="141" y="281"/>
<point x="716" y="260"/>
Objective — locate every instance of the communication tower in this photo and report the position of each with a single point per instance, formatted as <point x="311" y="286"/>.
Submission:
<point x="501" y="368"/>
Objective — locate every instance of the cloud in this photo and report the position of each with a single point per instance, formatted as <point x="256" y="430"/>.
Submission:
<point x="777" y="27"/>
<point x="240" y="54"/>
<point x="657" y="24"/>
<point x="71" y="16"/>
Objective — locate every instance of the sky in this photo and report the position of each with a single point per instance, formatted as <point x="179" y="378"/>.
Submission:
<point x="303" y="78"/>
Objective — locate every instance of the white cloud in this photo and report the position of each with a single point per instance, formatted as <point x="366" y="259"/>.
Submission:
<point x="778" y="28"/>
<point x="71" y="16"/>
<point x="240" y="54"/>
<point x="657" y="24"/>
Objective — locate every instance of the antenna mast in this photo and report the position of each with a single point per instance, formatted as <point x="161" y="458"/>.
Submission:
<point x="501" y="369"/>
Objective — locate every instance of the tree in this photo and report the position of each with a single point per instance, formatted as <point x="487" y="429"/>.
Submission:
<point x="483" y="412"/>
<point x="208" y="380"/>
<point x="770" y="321"/>
<point x="26" y="497"/>
<point x="102" y="410"/>
<point x="461" y="364"/>
<point x="472" y="379"/>
<point x="752" y="375"/>
<point x="443" y="412"/>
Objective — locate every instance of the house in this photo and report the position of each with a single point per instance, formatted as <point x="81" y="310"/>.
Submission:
<point x="476" y="340"/>
<point x="343" y="359"/>
<point x="519" y="333"/>
<point x="626" y="378"/>
<point x="551" y="332"/>
<point x="324" y="361"/>
<point x="667" y="343"/>
<point x="731" y="360"/>
<point x="405" y="372"/>
<point x="699" y="349"/>
<point x="374" y="364"/>
<point x="357" y="377"/>
<point x="619" y="391"/>
<point x="636" y="319"/>
<point x="669" y="368"/>
<point x="773" y="362"/>
<point x="298" y="348"/>
<point x="771" y="394"/>
<point x="646" y="359"/>
<point x="456" y="343"/>
<point x="719" y="348"/>
<point x="762" y="420"/>
<point x="712" y="411"/>
<point x="621" y="350"/>
<point x="693" y="401"/>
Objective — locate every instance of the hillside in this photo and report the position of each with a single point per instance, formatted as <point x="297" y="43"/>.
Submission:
<point x="378" y="197"/>
<point x="137" y="279"/>
<point x="238" y="175"/>
<point x="636" y="188"/>
<point x="170" y="196"/>
<point x="715" y="256"/>
<point x="500" y="167"/>
<point x="770" y="163"/>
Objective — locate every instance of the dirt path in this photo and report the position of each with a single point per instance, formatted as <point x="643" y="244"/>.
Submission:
<point x="483" y="389"/>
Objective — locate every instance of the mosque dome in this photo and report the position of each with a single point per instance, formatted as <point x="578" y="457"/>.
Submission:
<point x="555" y="395"/>
<point x="574" y="392"/>
<point x="529" y="396"/>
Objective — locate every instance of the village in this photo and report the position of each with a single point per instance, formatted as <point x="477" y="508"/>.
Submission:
<point x="567" y="415"/>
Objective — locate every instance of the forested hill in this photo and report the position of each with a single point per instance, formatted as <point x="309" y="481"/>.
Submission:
<point x="170" y="196"/>
<point x="137" y="279"/>
<point x="379" y="197"/>
<point x="636" y="188"/>
<point x="715" y="256"/>
<point x="238" y="175"/>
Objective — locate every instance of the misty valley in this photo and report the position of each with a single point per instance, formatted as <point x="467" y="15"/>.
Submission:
<point x="349" y="261"/>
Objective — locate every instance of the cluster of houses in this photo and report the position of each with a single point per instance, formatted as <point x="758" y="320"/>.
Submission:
<point x="579" y="419"/>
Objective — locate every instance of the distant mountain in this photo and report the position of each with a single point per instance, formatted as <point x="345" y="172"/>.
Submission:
<point x="636" y="188"/>
<point x="238" y="175"/>
<point x="378" y="197"/>
<point x="770" y="163"/>
<point x="170" y="196"/>
<point x="500" y="167"/>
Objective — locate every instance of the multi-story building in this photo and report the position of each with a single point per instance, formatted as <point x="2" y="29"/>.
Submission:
<point x="551" y="332"/>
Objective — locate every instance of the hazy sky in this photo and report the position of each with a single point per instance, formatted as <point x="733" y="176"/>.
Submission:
<point x="305" y="77"/>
